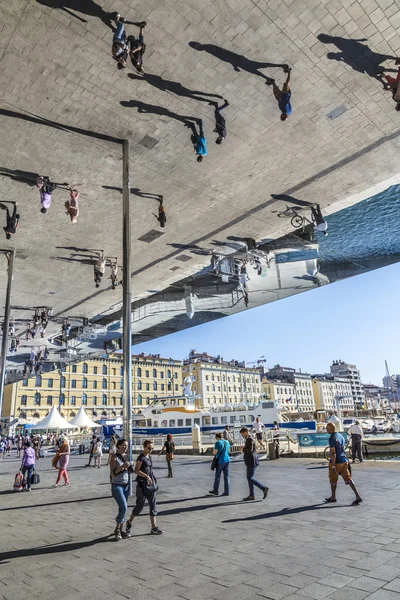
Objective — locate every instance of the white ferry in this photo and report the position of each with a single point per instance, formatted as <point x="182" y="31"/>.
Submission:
<point x="179" y="414"/>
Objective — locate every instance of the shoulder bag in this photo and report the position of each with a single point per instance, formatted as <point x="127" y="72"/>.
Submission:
<point x="215" y="459"/>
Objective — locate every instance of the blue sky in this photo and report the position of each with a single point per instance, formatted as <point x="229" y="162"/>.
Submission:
<point x="355" y="320"/>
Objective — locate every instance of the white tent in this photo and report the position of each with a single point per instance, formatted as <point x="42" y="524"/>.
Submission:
<point x="54" y="421"/>
<point x="81" y="419"/>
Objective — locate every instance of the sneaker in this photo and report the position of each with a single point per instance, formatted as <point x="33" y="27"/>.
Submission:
<point x="28" y="489"/>
<point x="118" y="534"/>
<point x="156" y="531"/>
<point x="356" y="501"/>
<point x="55" y="484"/>
<point x="212" y="493"/>
<point x="128" y="526"/>
<point x="125" y="535"/>
<point x="143" y="24"/>
<point x="248" y="498"/>
<point x="265" y="493"/>
<point x="224" y="494"/>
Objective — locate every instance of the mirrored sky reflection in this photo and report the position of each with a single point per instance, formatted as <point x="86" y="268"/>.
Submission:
<point x="362" y="237"/>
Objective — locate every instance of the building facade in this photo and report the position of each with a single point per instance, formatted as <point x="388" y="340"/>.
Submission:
<point x="329" y="390"/>
<point x="221" y="382"/>
<point x="94" y="384"/>
<point x="293" y="389"/>
<point x="341" y="369"/>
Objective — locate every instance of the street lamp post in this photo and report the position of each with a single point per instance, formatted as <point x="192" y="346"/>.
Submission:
<point x="10" y="255"/>
<point x="127" y="303"/>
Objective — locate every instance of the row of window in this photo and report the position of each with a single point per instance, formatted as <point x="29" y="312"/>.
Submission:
<point x="214" y="388"/>
<point x="39" y="400"/>
<point x="104" y="384"/>
<point x="234" y="378"/>
<point x="113" y="371"/>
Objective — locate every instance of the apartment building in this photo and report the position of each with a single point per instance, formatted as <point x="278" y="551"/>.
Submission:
<point x="96" y="385"/>
<point x="222" y="382"/>
<point x="330" y="391"/>
<point x="341" y="369"/>
<point x="292" y="388"/>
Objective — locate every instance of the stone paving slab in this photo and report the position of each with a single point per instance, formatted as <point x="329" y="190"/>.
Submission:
<point x="290" y="546"/>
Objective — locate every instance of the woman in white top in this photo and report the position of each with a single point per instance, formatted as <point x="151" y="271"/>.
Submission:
<point x="98" y="453"/>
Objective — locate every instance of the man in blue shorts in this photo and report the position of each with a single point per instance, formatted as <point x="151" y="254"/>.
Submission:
<point x="339" y="465"/>
<point x="283" y="95"/>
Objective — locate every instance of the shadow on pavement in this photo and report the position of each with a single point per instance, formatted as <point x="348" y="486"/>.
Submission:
<point x="284" y="512"/>
<point x="41" y="504"/>
<point x="50" y="549"/>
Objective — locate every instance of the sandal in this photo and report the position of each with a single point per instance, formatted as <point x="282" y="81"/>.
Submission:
<point x="356" y="501"/>
<point x="330" y="499"/>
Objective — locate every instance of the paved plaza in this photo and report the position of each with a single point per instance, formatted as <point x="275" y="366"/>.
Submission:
<point x="58" y="542"/>
<point x="63" y="101"/>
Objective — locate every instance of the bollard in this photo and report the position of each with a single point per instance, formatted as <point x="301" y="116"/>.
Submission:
<point x="271" y="451"/>
<point x="196" y="439"/>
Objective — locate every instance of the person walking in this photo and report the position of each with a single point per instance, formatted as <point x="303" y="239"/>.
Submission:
<point x="251" y="462"/>
<point x="91" y="449"/>
<point x="199" y="141"/>
<point x="169" y="447"/>
<point x="356" y="433"/>
<point x="20" y="446"/>
<point x="72" y="205"/>
<point x="339" y="465"/>
<point x="221" y="452"/>
<point x="61" y="460"/>
<point x="119" y="475"/>
<point x="12" y="220"/>
<point x="46" y="187"/>
<point x="320" y="223"/>
<point x="227" y="435"/>
<point x="259" y="429"/>
<point x="162" y="217"/>
<point x="394" y="85"/>
<point x="146" y="488"/>
<point x="220" y="123"/>
<point x="119" y="48"/>
<point x="275" y="436"/>
<point x="99" y="268"/>
<point x="28" y="465"/>
<point x="112" y="448"/>
<point x="114" y="273"/>
<point x="137" y="48"/>
<point x="283" y="95"/>
<point x="98" y="453"/>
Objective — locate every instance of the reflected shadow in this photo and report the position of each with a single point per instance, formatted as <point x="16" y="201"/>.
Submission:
<point x="42" y="121"/>
<point x="86" y="7"/>
<point x="238" y="61"/>
<point x="24" y="507"/>
<point x="143" y="107"/>
<point x="357" y="55"/>
<point x="27" y="177"/>
<point x="174" y="87"/>
<point x="292" y="200"/>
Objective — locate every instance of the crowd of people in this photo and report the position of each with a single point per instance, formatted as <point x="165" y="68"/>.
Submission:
<point x="142" y="468"/>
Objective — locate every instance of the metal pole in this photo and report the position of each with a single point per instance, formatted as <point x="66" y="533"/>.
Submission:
<point x="127" y="302"/>
<point x="10" y="255"/>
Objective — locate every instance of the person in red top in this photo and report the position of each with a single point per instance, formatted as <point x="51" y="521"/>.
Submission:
<point x="394" y="84"/>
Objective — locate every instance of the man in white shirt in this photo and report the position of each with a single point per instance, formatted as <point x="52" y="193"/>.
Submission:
<point x="319" y="222"/>
<point x="258" y="428"/>
<point x="356" y="433"/>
